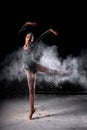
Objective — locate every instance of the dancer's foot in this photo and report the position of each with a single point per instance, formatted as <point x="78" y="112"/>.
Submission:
<point x="66" y="73"/>
<point x="31" y="114"/>
<point x="69" y="72"/>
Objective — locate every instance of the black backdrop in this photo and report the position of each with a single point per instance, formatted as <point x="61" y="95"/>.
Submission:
<point x="69" y="20"/>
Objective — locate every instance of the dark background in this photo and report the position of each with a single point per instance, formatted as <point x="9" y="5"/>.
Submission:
<point x="67" y="18"/>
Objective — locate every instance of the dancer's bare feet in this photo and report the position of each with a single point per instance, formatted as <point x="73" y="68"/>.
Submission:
<point x="31" y="114"/>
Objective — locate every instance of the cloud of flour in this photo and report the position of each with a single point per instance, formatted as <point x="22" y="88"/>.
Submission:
<point x="12" y="68"/>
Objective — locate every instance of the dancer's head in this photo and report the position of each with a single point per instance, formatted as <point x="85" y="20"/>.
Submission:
<point x="29" y="38"/>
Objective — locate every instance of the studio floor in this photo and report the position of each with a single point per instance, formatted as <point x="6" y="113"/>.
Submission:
<point x="53" y="112"/>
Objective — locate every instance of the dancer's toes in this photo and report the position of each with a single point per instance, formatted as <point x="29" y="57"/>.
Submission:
<point x="31" y="114"/>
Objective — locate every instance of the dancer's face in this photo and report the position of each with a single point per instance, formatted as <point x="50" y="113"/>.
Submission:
<point x="28" y="39"/>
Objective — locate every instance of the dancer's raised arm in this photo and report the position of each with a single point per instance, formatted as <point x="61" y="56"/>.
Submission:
<point x="46" y="33"/>
<point x="25" y="29"/>
<point x="27" y="24"/>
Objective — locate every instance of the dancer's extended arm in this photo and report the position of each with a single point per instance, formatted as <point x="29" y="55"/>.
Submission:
<point x="46" y="33"/>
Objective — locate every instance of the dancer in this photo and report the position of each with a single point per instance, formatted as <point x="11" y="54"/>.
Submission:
<point x="31" y="67"/>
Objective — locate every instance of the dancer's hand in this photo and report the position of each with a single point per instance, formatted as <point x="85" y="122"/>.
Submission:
<point x="31" y="23"/>
<point x="54" y="32"/>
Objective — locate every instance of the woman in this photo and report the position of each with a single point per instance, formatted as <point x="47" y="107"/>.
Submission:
<point x="31" y="67"/>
